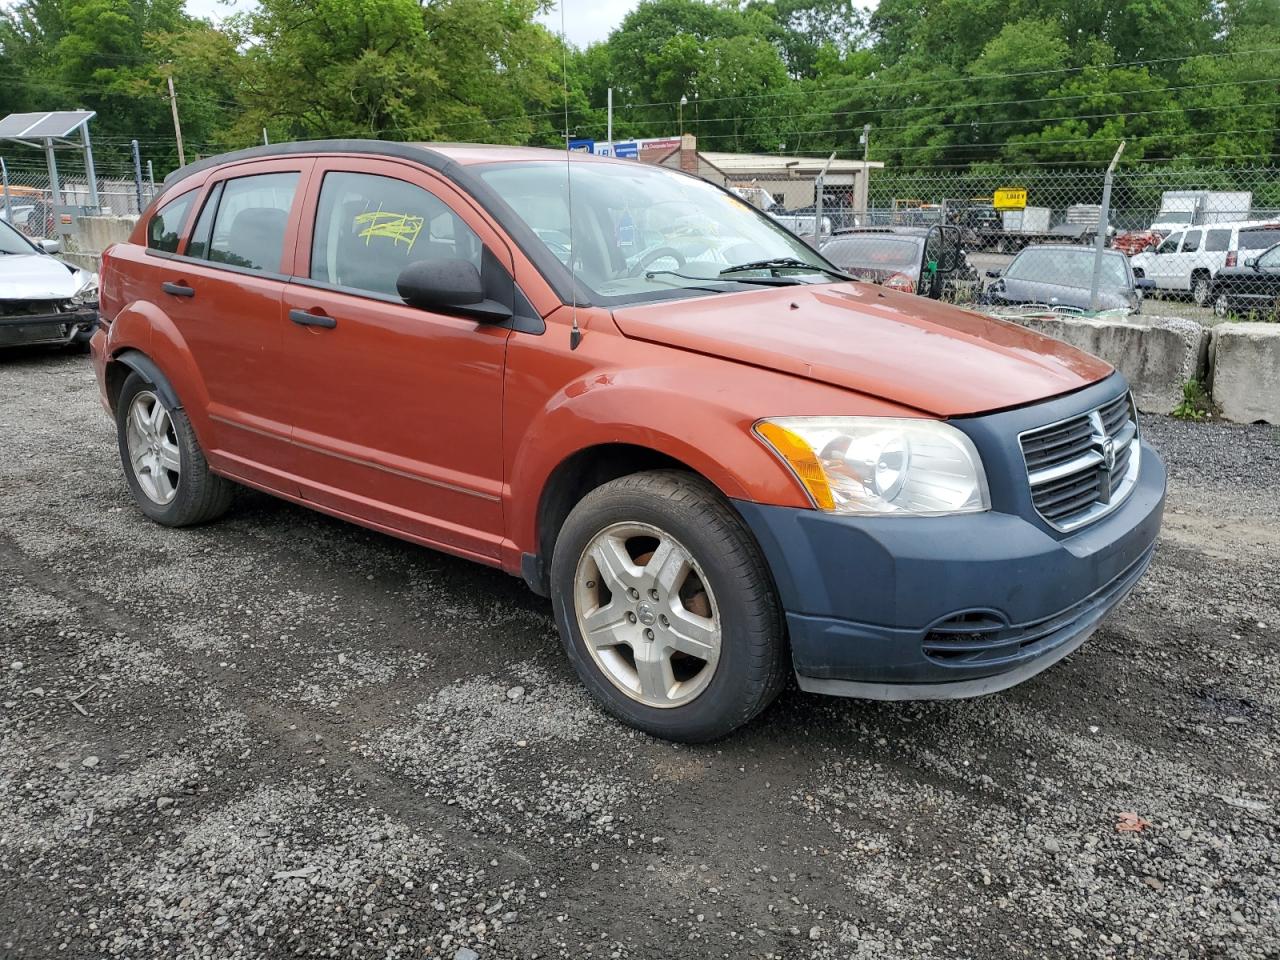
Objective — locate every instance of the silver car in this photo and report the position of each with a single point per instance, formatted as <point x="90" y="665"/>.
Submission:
<point x="1059" y="275"/>
<point x="42" y="299"/>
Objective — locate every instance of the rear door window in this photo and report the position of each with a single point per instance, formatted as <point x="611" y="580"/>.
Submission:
<point x="369" y="228"/>
<point x="249" y="222"/>
<point x="1217" y="241"/>
<point x="165" y="229"/>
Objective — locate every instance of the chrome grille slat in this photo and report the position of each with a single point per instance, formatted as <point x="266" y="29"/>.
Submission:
<point x="1071" y="482"/>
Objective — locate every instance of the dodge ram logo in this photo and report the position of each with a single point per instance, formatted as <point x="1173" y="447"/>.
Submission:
<point x="1109" y="454"/>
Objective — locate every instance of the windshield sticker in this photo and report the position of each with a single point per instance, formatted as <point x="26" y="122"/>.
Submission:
<point x="396" y="227"/>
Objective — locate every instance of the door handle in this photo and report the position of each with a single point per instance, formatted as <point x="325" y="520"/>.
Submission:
<point x="177" y="289"/>
<point x="306" y="319"/>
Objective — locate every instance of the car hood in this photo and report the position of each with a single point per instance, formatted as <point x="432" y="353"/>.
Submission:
<point x="933" y="357"/>
<point x="36" y="276"/>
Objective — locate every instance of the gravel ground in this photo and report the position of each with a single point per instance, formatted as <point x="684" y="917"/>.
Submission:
<point x="280" y="735"/>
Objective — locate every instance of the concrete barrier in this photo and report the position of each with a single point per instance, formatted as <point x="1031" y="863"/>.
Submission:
<point x="1245" y="367"/>
<point x="1156" y="354"/>
<point x="95" y="234"/>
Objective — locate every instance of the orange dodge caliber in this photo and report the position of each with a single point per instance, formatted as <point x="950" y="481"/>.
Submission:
<point x="723" y="461"/>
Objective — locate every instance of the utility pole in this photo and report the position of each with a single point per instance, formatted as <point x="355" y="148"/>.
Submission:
<point x="609" y="135"/>
<point x="177" y="125"/>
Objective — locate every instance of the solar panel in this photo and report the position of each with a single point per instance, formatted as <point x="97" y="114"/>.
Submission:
<point x="59" y="123"/>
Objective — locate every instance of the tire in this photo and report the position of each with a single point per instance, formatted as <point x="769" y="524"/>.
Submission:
<point x="1201" y="289"/>
<point x="722" y="597"/>
<point x="1221" y="305"/>
<point x="80" y="341"/>
<point x="183" y="497"/>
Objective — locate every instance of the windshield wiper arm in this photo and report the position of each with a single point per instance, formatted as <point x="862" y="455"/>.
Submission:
<point x="783" y="263"/>
<point x="760" y="281"/>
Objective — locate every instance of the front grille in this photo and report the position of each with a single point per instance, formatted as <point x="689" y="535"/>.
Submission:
<point x="30" y="308"/>
<point x="1082" y="468"/>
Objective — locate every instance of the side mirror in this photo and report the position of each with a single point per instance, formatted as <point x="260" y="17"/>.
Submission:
<point x="993" y="274"/>
<point x="50" y="246"/>
<point x="1144" y="283"/>
<point x="1252" y="263"/>
<point x="449" y="286"/>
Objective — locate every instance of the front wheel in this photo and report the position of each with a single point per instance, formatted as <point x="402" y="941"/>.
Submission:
<point x="1221" y="306"/>
<point x="666" y="607"/>
<point x="163" y="463"/>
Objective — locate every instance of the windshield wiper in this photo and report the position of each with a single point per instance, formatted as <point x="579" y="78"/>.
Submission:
<point x="784" y="263"/>
<point x="759" y="281"/>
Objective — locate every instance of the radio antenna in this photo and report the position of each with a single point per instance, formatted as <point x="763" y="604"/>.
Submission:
<point x="575" y="333"/>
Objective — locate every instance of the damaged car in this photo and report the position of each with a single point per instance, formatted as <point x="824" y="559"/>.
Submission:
<point x="43" y="301"/>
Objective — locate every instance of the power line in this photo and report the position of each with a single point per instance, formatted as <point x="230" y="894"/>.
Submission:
<point x="960" y="79"/>
<point x="946" y="108"/>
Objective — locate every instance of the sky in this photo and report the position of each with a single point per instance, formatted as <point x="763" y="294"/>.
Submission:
<point x="586" y="21"/>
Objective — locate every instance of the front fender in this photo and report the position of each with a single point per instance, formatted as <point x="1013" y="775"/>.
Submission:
<point x="693" y="420"/>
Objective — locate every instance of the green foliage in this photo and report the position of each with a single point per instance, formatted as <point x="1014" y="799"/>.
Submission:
<point x="967" y="83"/>
<point x="1195" y="403"/>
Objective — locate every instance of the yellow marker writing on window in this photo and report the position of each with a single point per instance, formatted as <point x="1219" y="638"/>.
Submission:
<point x="396" y="227"/>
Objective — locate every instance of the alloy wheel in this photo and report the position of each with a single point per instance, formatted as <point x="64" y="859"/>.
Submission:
<point x="153" y="447"/>
<point x="647" y="614"/>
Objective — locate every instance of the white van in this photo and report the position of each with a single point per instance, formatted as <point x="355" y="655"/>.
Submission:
<point x="1189" y="258"/>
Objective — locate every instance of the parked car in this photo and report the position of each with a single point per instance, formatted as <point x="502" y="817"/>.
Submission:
<point x="925" y="260"/>
<point x="42" y="299"/>
<point x="16" y="214"/>
<point x="721" y="460"/>
<point x="1251" y="289"/>
<point x="1187" y="261"/>
<point x="1059" y="275"/>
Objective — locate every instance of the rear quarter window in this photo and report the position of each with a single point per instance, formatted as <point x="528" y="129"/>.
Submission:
<point x="165" y="228"/>
<point x="1259" y="239"/>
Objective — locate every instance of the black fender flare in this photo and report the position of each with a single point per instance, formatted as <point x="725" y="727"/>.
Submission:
<point x="146" y="368"/>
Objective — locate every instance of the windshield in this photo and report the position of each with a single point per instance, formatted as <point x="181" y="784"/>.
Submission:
<point x="1174" y="216"/>
<point x="11" y="241"/>
<point x="635" y="227"/>
<point x="1068" y="267"/>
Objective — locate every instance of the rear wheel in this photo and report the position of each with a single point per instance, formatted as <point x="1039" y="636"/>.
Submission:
<point x="163" y="463"/>
<point x="666" y="607"/>
<point x="1201" y="289"/>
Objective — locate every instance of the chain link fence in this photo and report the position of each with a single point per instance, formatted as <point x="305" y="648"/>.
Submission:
<point x="28" y="203"/>
<point x="1204" y="240"/>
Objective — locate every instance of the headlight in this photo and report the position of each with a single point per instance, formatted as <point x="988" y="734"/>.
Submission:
<point x="88" y="292"/>
<point x="881" y="465"/>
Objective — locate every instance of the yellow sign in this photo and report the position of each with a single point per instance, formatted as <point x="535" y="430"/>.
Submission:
<point x="1010" y="198"/>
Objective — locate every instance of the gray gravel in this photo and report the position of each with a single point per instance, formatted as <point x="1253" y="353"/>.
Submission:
<point x="283" y="736"/>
